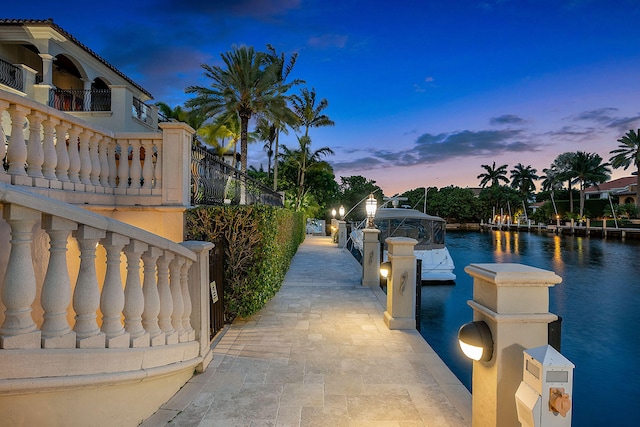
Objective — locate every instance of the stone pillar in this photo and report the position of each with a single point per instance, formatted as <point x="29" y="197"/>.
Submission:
<point x="47" y="68"/>
<point x="166" y="302"/>
<point x="134" y="297"/>
<point x="151" y="297"/>
<point x="74" y="156"/>
<point x="342" y="234"/>
<point x="513" y="300"/>
<point x="199" y="291"/>
<point x="175" y="268"/>
<point x="176" y="146"/>
<point x="112" y="297"/>
<point x="370" y="257"/>
<point x="401" y="291"/>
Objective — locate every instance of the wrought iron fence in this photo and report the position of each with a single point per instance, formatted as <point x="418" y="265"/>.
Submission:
<point x="141" y="111"/>
<point x="214" y="182"/>
<point x="80" y="99"/>
<point x="11" y="76"/>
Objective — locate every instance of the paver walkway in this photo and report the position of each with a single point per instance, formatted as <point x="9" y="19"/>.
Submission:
<point x="319" y="354"/>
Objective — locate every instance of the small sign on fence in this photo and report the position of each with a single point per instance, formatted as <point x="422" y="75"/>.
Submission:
<point x="214" y="291"/>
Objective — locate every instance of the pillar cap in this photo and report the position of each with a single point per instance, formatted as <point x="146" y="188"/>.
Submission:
<point x="509" y="274"/>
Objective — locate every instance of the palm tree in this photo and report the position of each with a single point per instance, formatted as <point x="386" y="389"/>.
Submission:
<point x="191" y="117"/>
<point x="493" y="175"/>
<point x="309" y="115"/>
<point x="588" y="169"/>
<point x="217" y="133"/>
<point x="303" y="159"/>
<point x="266" y="132"/>
<point x="627" y="154"/>
<point x="246" y="86"/>
<point x="563" y="170"/>
<point x="286" y="117"/>
<point x="522" y="179"/>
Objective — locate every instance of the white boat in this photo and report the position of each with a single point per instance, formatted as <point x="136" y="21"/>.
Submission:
<point x="428" y="230"/>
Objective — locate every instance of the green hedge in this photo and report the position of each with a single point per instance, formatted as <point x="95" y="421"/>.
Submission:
<point x="259" y="241"/>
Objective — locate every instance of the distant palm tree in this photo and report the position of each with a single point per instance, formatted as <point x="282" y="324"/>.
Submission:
<point x="266" y="132"/>
<point x="588" y="169"/>
<point x="303" y="158"/>
<point x="562" y="171"/>
<point x="522" y="179"/>
<point x="190" y="116"/>
<point x="309" y="114"/>
<point x="285" y="117"/>
<point x="244" y="87"/>
<point x="627" y="154"/>
<point x="493" y="175"/>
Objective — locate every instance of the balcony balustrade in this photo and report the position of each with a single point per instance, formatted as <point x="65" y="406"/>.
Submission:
<point x="80" y="100"/>
<point x="11" y="76"/>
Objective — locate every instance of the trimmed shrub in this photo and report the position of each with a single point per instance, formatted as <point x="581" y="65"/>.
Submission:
<point x="259" y="241"/>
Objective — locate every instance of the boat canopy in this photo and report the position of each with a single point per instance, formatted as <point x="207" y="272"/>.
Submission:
<point x="428" y="230"/>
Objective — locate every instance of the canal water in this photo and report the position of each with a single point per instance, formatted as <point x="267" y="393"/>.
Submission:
<point x="598" y="300"/>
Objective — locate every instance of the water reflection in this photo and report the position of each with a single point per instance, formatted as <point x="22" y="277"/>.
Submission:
<point x="598" y="300"/>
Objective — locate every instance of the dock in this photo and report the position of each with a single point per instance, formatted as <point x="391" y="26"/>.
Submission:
<point x="319" y="354"/>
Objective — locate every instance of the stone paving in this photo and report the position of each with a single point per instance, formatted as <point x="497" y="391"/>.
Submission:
<point x="319" y="354"/>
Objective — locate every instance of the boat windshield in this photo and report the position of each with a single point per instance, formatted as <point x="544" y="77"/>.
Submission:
<point x="429" y="233"/>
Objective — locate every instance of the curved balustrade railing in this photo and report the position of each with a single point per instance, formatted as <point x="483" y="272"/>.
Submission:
<point x="153" y="312"/>
<point x="47" y="148"/>
<point x="213" y="182"/>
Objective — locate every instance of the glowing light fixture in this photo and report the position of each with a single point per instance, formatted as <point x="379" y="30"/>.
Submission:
<point x="476" y="341"/>
<point x="371" y="206"/>
<point x="333" y="213"/>
<point x="385" y="269"/>
<point x="341" y="212"/>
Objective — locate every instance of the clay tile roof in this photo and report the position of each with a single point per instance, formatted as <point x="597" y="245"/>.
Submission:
<point x="49" y="22"/>
<point x="611" y="185"/>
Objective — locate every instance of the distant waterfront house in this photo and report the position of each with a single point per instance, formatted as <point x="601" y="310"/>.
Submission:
<point x="43" y="62"/>
<point x="622" y="188"/>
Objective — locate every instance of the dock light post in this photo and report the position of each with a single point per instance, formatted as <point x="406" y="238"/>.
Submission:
<point x="341" y="212"/>
<point x="333" y="213"/>
<point x="371" y="206"/>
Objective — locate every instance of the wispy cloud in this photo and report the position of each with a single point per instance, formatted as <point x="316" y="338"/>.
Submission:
<point x="507" y="119"/>
<point x="431" y="149"/>
<point x="607" y="117"/>
<point x="327" y="41"/>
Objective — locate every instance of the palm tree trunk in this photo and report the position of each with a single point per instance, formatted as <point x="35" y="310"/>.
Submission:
<point x="275" y="164"/>
<point x="570" y="197"/>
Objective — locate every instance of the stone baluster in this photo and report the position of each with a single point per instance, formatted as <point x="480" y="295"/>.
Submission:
<point x="35" y="153"/>
<point x="189" y="333"/>
<point x="123" y="165"/>
<point x="135" y="172"/>
<point x="147" y="168"/>
<point x="176" y="295"/>
<point x="103" y="147"/>
<point x="133" y="295"/>
<point x="151" y="296"/>
<point x="56" y="290"/>
<point x="18" y="293"/>
<point x="112" y="297"/>
<point x="166" y="301"/>
<point x="17" y="152"/>
<point x="158" y="169"/>
<point x="95" y="159"/>
<point x="74" y="156"/>
<point x="3" y="149"/>
<point x="62" y="165"/>
<point x="85" y="157"/>
<point x="86" y="297"/>
<point x="49" y="149"/>
<point x="113" y="165"/>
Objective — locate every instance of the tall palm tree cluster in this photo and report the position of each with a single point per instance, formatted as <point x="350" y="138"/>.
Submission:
<point x="252" y="88"/>
<point x="570" y="168"/>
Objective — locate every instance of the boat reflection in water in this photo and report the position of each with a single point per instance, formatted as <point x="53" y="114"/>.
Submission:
<point x="428" y="230"/>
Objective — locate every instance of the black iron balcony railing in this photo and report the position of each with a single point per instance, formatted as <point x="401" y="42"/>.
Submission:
<point x="214" y="182"/>
<point x="11" y="76"/>
<point x="80" y="100"/>
<point x="141" y="111"/>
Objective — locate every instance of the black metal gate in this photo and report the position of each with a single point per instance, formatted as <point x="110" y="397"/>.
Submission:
<point x="216" y="275"/>
<point x="418" y="292"/>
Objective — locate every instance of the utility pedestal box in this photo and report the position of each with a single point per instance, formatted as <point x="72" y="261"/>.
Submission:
<point x="543" y="398"/>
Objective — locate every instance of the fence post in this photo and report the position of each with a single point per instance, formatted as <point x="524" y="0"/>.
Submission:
<point x="370" y="257"/>
<point x="176" y="155"/>
<point x="513" y="301"/>
<point x="401" y="294"/>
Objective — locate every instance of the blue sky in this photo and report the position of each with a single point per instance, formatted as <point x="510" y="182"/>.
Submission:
<point x="422" y="92"/>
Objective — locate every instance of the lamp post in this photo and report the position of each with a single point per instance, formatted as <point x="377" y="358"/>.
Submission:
<point x="333" y="213"/>
<point x="371" y="206"/>
<point x="341" y="212"/>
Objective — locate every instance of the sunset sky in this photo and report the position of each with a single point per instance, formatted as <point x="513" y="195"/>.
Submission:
<point x="422" y="92"/>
